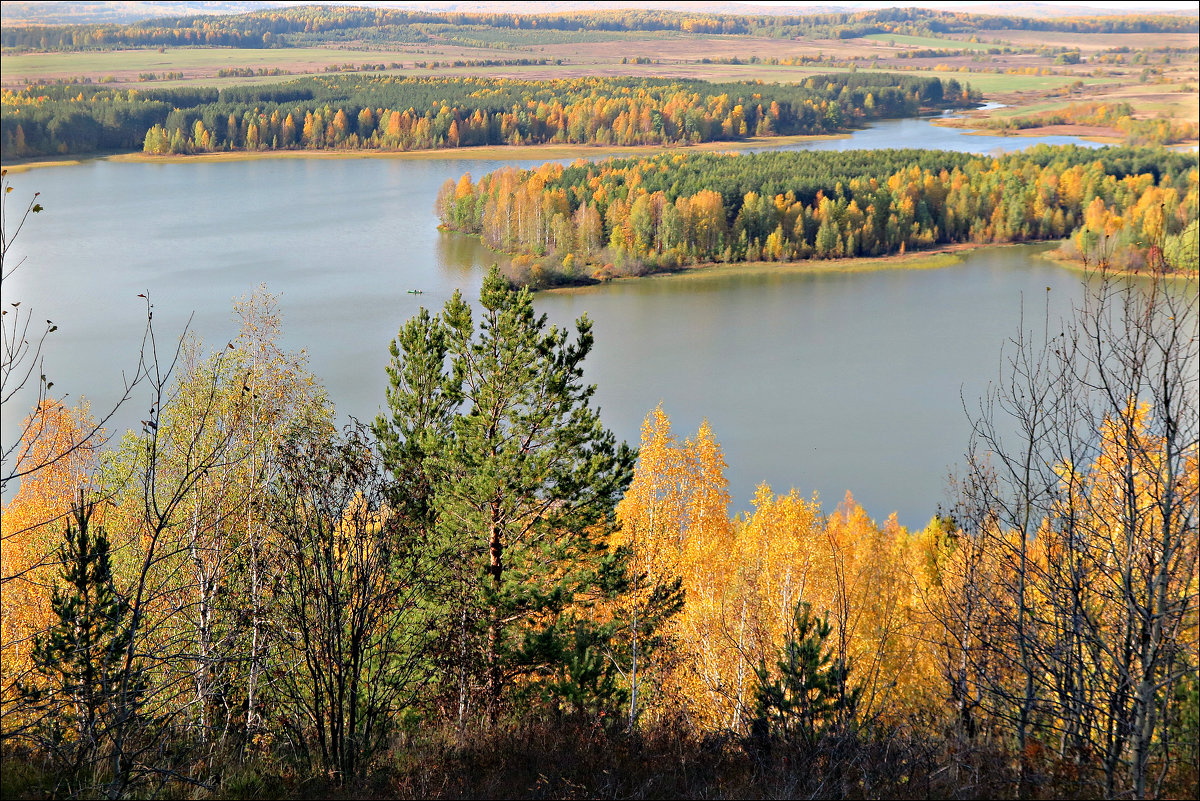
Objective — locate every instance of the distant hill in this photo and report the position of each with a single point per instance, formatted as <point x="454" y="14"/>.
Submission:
<point x="20" y="12"/>
<point x="82" y="13"/>
<point x="1045" y="11"/>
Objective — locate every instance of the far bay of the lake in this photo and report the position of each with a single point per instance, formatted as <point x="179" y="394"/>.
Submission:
<point x="825" y="382"/>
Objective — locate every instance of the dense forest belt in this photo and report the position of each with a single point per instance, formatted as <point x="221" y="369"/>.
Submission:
<point x="394" y="113"/>
<point x="280" y="27"/>
<point x="1122" y="207"/>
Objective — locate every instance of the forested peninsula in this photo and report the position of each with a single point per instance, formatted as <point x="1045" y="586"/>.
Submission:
<point x="588" y="221"/>
<point x="405" y="113"/>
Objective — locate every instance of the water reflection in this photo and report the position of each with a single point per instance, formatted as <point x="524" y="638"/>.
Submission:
<point x="823" y="382"/>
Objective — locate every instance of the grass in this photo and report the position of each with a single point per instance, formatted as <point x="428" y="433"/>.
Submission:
<point x="182" y="58"/>
<point x="27" y="67"/>
<point x="1090" y="42"/>
<point x="927" y="41"/>
<point x="1032" y="108"/>
<point x="1147" y="101"/>
<point x="24" y="166"/>
<point x="993" y="83"/>
<point x="923" y="260"/>
<point x="528" y="39"/>
<point x="939" y="258"/>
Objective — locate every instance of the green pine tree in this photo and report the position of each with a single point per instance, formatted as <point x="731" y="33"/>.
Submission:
<point x="520" y="480"/>
<point x="811" y="695"/>
<point x="83" y="693"/>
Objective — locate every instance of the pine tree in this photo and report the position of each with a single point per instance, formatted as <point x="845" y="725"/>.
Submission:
<point x="520" y="480"/>
<point x="811" y="695"/>
<point x="83" y="690"/>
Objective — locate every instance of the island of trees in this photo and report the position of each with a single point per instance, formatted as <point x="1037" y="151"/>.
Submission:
<point x="630" y="216"/>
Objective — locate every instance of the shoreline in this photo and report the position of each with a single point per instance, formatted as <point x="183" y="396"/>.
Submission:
<point x="932" y="259"/>
<point x="548" y="151"/>
<point x="1041" y="130"/>
<point x="1085" y="132"/>
<point x="1053" y="257"/>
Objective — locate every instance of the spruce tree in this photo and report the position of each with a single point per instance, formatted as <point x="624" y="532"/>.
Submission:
<point x="520" y="482"/>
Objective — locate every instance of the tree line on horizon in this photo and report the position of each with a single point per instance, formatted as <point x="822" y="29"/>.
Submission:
<point x="403" y="113"/>
<point x="623" y="216"/>
<point x="305" y="25"/>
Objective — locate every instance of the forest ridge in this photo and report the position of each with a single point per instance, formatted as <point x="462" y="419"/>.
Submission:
<point x="483" y="593"/>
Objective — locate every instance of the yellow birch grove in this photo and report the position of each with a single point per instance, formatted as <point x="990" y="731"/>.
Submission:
<point x="1066" y="632"/>
<point x="744" y="577"/>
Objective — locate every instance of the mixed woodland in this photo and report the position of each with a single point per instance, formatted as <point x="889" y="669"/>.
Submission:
<point x="1116" y="207"/>
<point x="406" y="113"/>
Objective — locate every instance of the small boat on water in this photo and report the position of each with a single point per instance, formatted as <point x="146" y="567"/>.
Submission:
<point x="416" y="291"/>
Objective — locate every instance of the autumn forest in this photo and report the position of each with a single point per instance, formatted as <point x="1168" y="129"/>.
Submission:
<point x="481" y="591"/>
<point x="340" y="113"/>
<point x="664" y="212"/>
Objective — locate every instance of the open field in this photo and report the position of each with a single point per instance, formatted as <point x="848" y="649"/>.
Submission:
<point x="714" y="46"/>
<point x="202" y="64"/>
<point x="1087" y="42"/>
<point x="1093" y="133"/>
<point x="678" y="55"/>
<point x="1177" y="102"/>
<point x="921" y="42"/>
<point x="677" y="59"/>
<point x="1157" y="101"/>
<point x="526" y="39"/>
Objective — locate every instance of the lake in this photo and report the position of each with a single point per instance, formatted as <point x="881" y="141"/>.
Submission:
<point x="824" y="382"/>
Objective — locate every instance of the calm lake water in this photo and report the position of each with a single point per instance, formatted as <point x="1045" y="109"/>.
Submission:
<point x="823" y="382"/>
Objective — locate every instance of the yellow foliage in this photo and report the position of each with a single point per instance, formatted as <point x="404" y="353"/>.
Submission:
<point x="743" y="579"/>
<point x="57" y="446"/>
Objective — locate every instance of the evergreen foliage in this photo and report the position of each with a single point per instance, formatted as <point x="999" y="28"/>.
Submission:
<point x="810" y="695"/>
<point x="86" y="689"/>
<point x="520" y="481"/>
<point x="353" y="112"/>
